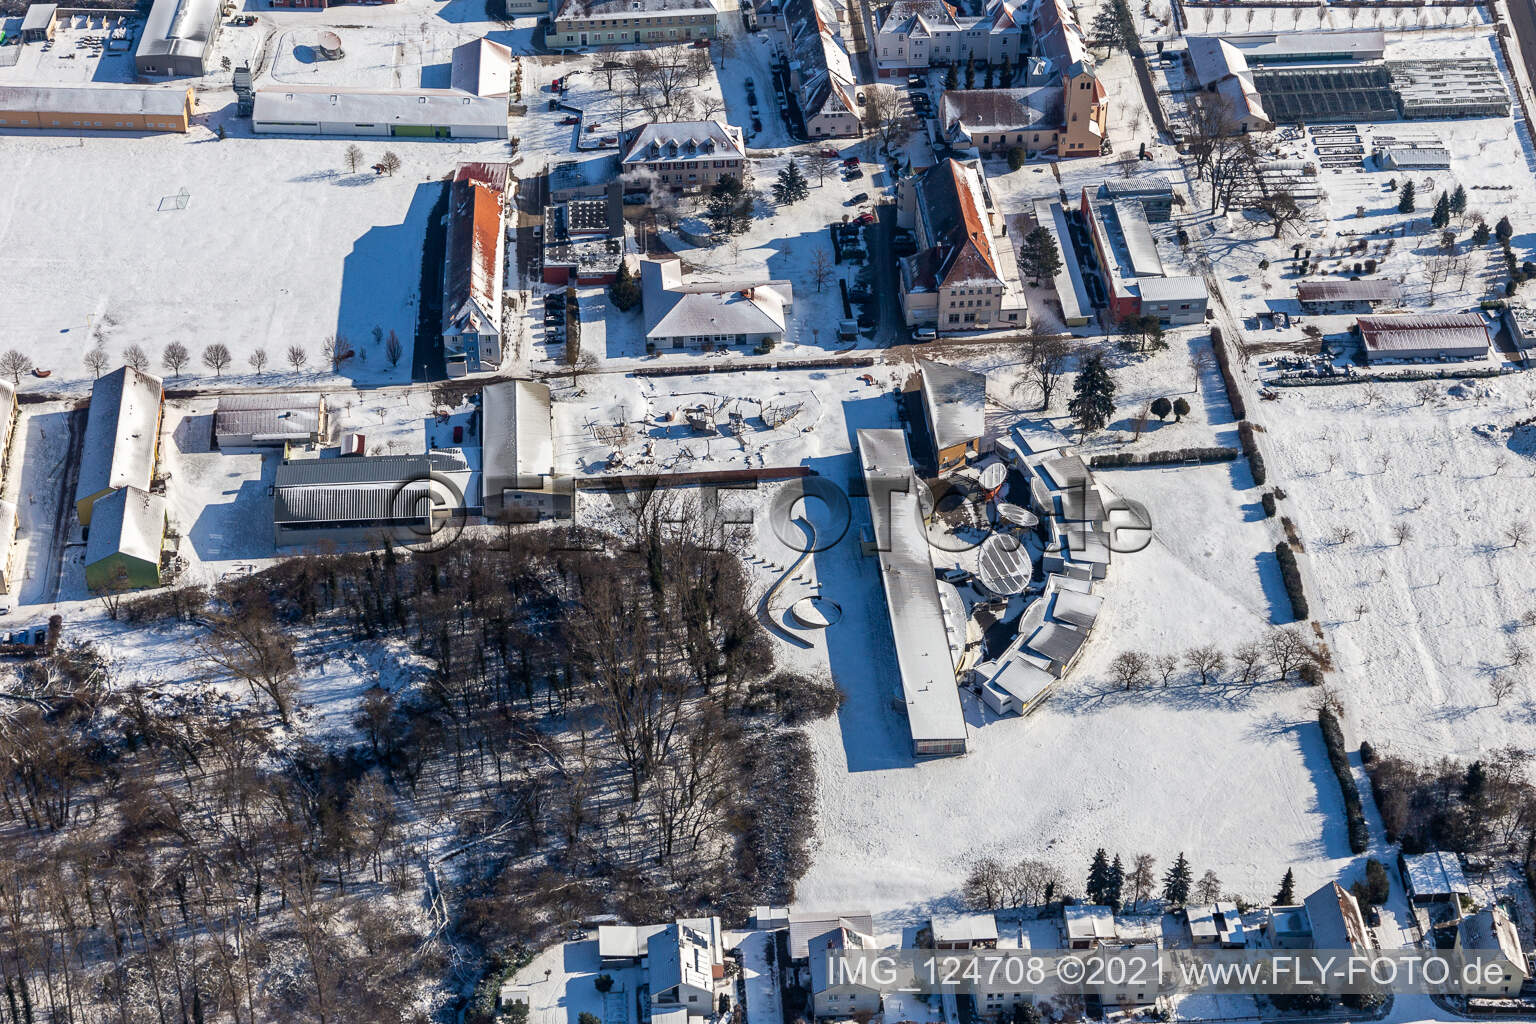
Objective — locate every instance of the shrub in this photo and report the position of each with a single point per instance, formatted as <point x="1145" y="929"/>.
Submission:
<point x="1015" y="158"/>
<point x="1378" y="887"/>
<point x="1219" y="347"/>
<point x="1333" y="738"/>
<point x="1268" y="501"/>
<point x="180" y="603"/>
<point x="1367" y="752"/>
<point x="1310" y="673"/>
<point x="1251" y="449"/>
<point x="1163" y="458"/>
<point x="1292" y="576"/>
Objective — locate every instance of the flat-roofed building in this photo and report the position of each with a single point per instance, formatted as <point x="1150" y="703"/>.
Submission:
<point x="1433" y="877"/>
<point x="1424" y="336"/>
<point x="269" y="420"/>
<point x="99" y="107"/>
<point x="1071" y="290"/>
<point x="924" y="649"/>
<point x="1134" y="274"/>
<point x="122" y="437"/>
<point x="178" y="38"/>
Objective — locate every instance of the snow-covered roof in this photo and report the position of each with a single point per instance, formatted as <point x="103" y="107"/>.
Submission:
<point x="955" y="400"/>
<point x="121" y="432"/>
<point x="481" y="68"/>
<point x="366" y="469"/>
<point x="518" y="435"/>
<point x="1436" y="873"/>
<point x="583" y="9"/>
<point x="830" y="942"/>
<point x="179" y="28"/>
<point x="38" y="17"/>
<point x="98" y="98"/>
<point x="816" y="46"/>
<point x="929" y="691"/>
<point x="1065" y="471"/>
<point x="1214" y="59"/>
<point x="299" y="105"/>
<point x="805" y="925"/>
<point x="1413" y="332"/>
<point x="1058" y="642"/>
<point x="625" y="941"/>
<point x="952" y="205"/>
<point x="1491" y="931"/>
<point x="1076" y="609"/>
<point x="1216" y="922"/>
<point x="1089" y="921"/>
<point x="683" y="140"/>
<point x="1059" y="37"/>
<point x="1336" y="919"/>
<point x="1288" y="47"/>
<point x="980" y="110"/>
<point x="971" y="928"/>
<point x="1430" y="157"/>
<point x="682" y="954"/>
<point x="673" y="309"/>
<point x="1367" y="290"/>
<point x="1071" y="291"/>
<point x="129" y="521"/>
<point x="1174" y="289"/>
<point x="272" y="415"/>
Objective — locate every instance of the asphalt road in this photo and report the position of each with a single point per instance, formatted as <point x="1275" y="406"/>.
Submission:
<point x="1522" y="18"/>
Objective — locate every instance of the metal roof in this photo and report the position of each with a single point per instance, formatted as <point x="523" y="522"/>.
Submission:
<point x="121" y="432"/>
<point x="929" y="691"/>
<point x="1455" y="331"/>
<point x="98" y="98"/>
<point x="366" y="469"/>
<point x="1174" y="289"/>
<point x="955" y="400"/>
<point x="38" y="16"/>
<point x="517" y="433"/>
<point x="299" y="105"/>
<point x="805" y="925"/>
<point x="1348" y="291"/>
<point x="179" y="28"/>
<point x="271" y="415"/>
<point x="406" y="501"/>
<point x="130" y="522"/>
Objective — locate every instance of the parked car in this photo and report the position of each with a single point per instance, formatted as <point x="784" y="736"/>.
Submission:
<point x="757" y="125"/>
<point x="701" y="44"/>
<point x="851" y="161"/>
<point x="916" y="82"/>
<point x="924" y="334"/>
<point x="868" y="320"/>
<point x="748" y="82"/>
<point x="867" y="217"/>
<point x="608" y="140"/>
<point x="573" y="119"/>
<point x="853" y="174"/>
<point x="829" y="153"/>
<point x="862" y="197"/>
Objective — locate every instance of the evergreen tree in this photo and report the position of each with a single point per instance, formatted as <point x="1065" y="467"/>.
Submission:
<point x="1176" y="882"/>
<point x="1474" y="783"/>
<point x="1504" y="230"/>
<point x="1041" y="258"/>
<point x="951" y="78"/>
<point x="1405" y="203"/>
<point x="1481" y="234"/>
<point x="1093" y="396"/>
<point x="791" y="186"/>
<point x="970" y="72"/>
<point x="1161" y="407"/>
<point x="1106" y="28"/>
<point x="1026" y="1013"/>
<point x="1116" y="888"/>
<point x="1005" y="75"/>
<point x="625" y="290"/>
<point x="1098" y="877"/>
<point x="729" y="207"/>
<point x="1180" y="409"/>
<point x="1287" y="894"/>
<point x="1459" y="201"/>
<point x="1442" y="215"/>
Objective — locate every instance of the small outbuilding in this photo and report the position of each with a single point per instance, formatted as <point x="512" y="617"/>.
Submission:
<point x="269" y="420"/>
<point x="40" y="22"/>
<point x="964" y="931"/>
<point x="954" y="403"/>
<point x="122" y="550"/>
<point x="1434" y="877"/>
<point x="1353" y="296"/>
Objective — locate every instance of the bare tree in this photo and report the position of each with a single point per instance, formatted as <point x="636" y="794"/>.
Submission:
<point x="1516" y="532"/>
<point x="134" y="356"/>
<point x="96" y="360"/>
<point x="1046" y="364"/>
<point x="820" y="165"/>
<point x="1129" y="669"/>
<point x="354" y="157"/>
<point x="1283" y="209"/>
<point x="608" y="63"/>
<point x="336" y="349"/>
<point x="297" y="357"/>
<point x="1426" y="393"/>
<point x="699" y="66"/>
<point x="1206" y="660"/>
<point x="1143" y="878"/>
<point x="175" y="356"/>
<point x="389" y="163"/>
<point x="1401" y="531"/>
<point x="258" y="361"/>
<point x="1287" y="649"/>
<point x="883" y="115"/>
<point x="1166" y="665"/>
<point x="393" y="350"/>
<point x="1500" y="686"/>
<point x="1248" y="659"/>
<point x="250" y="645"/>
<point x="668" y="79"/>
<point x="821" y="268"/>
<point x="1208" y="889"/>
<point x="216" y="357"/>
<point x="13" y="364"/>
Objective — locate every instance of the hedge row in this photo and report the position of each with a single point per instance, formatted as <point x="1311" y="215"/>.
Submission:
<point x="1333" y="737"/>
<point x="1407" y="376"/>
<point x="1163" y="458"/>
<point x="1219" y="346"/>
<point x="1251" y="449"/>
<point x="1292" y="576"/>
<point x="1267" y="499"/>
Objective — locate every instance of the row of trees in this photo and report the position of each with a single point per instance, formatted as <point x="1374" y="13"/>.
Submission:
<point x="1281" y="650"/>
<point x="994" y="885"/>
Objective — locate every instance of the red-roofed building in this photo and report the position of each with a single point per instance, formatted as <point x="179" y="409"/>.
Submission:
<point x="964" y="276"/>
<point x="472" y="269"/>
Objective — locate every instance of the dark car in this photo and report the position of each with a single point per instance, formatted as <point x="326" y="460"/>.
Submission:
<point x="570" y="120"/>
<point x="853" y="174"/>
<point x="862" y="197"/>
<point x="757" y="125"/>
<point x="868" y="320"/>
<point x="701" y="44"/>
<point x="747" y="82"/>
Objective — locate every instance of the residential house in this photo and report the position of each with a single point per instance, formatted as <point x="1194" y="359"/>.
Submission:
<point x="683" y="154"/>
<point x="473" y="263"/>
<point x="991" y="121"/>
<point x="917" y="34"/>
<point x="964" y="276"/>
<point x="1489" y="938"/>
<point x="1216" y="925"/>
<point x="1288" y="927"/>
<point x="122" y="437"/>
<point x="954" y="406"/>
<point x="1087" y="925"/>
<point x="685" y="964"/>
<point x="805" y="925"/>
<point x="584" y="24"/>
<point x="821" y="72"/>
<point x="1433" y="877"/>
<point x="127" y="532"/>
<point x="833" y="996"/>
<point x="1337" y="923"/>
<point x="625" y="945"/>
<point x="713" y="314"/>
<point x="964" y="931"/>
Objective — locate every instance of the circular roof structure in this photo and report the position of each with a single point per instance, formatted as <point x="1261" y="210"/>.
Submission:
<point x="815" y="612"/>
<point x="1017" y="515"/>
<point x="1005" y="565"/>
<point x="993" y="476"/>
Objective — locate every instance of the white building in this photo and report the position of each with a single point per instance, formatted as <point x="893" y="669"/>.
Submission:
<point x="685" y="961"/>
<point x="832" y="995"/>
<point x="820" y="68"/>
<point x="916" y="34"/>
<point x="517" y="464"/>
<point x="684" y="154"/>
<point x="1490" y="938"/>
<point x="178" y="38"/>
<point x="711" y="314"/>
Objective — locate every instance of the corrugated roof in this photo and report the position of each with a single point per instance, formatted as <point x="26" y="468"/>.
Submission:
<point x="1436" y="873"/>
<point x="1173" y="289"/>
<point x="347" y="503"/>
<point x="367" y="469"/>
<point x="121" y="431"/>
<point x="1348" y="291"/>
<point x="128" y="521"/>
<point x="1409" y="332"/>
<point x="38" y="16"/>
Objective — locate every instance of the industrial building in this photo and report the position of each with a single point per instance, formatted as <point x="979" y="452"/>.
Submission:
<point x="583" y="176"/>
<point x="1424" y="337"/>
<point x="473" y="267"/>
<point x="1348" y="296"/>
<point x="269" y="420"/>
<point x="366" y="499"/>
<point x="122" y="550"/>
<point x="122" y="437"/>
<point x="474" y="106"/>
<point x="578" y="24"/>
<point x="925" y="654"/>
<point x="100" y="106"/>
<point x="518" y="457"/>
<point x="178" y="38"/>
<point x="1520" y="319"/>
<point x="1133" y="271"/>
